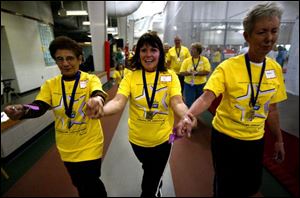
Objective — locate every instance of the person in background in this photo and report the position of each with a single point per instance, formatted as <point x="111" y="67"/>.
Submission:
<point x="195" y="70"/>
<point x="175" y="57"/>
<point x="154" y="94"/>
<point x="119" y="73"/>
<point x="216" y="58"/>
<point x="237" y="139"/>
<point x="76" y="98"/>
<point x="273" y="53"/>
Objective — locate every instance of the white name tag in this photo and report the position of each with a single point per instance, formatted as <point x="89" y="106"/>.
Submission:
<point x="166" y="78"/>
<point x="270" y="73"/>
<point x="83" y="84"/>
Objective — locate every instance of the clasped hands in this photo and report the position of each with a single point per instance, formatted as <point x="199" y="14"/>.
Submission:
<point x="94" y="107"/>
<point x="185" y="125"/>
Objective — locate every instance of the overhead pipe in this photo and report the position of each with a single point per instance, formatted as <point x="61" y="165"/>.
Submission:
<point x="121" y="8"/>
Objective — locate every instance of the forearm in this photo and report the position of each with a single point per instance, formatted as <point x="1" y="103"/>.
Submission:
<point x="115" y="105"/>
<point x="202" y="103"/>
<point x="274" y="126"/>
<point x="39" y="109"/>
<point x="180" y="109"/>
<point x="202" y="73"/>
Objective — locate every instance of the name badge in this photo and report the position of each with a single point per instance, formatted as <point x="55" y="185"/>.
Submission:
<point x="166" y="78"/>
<point x="83" y="84"/>
<point x="270" y="74"/>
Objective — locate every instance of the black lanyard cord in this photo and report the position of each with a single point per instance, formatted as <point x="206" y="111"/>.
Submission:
<point x="195" y="66"/>
<point x="150" y="102"/>
<point x="68" y="109"/>
<point x="253" y="100"/>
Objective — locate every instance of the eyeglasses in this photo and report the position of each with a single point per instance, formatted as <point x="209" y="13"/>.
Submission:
<point x="61" y="59"/>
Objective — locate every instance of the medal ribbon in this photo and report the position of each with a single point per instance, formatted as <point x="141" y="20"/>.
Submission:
<point x="68" y="110"/>
<point x="178" y="53"/>
<point x="253" y="100"/>
<point x="195" y="66"/>
<point x="150" y="102"/>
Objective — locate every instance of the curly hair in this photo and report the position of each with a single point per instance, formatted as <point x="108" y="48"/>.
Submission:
<point x="63" y="42"/>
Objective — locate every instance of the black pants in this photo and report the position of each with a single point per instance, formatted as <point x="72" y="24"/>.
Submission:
<point x="181" y="80"/>
<point x="238" y="165"/>
<point x="154" y="161"/>
<point x="86" y="178"/>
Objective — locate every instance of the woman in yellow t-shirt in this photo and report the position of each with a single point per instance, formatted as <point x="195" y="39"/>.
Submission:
<point x="251" y="85"/>
<point x="194" y="69"/>
<point x="154" y="94"/>
<point x="72" y="95"/>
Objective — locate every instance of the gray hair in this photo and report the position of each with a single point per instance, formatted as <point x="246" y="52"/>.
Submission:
<point x="261" y="10"/>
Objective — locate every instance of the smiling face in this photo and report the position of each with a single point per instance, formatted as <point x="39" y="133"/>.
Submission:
<point x="149" y="57"/>
<point x="67" y="62"/>
<point x="264" y="36"/>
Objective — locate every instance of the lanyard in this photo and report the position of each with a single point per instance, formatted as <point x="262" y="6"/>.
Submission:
<point x="121" y="73"/>
<point x="68" y="109"/>
<point x="150" y="102"/>
<point x="195" y="66"/>
<point x="253" y="100"/>
<point x="178" y="53"/>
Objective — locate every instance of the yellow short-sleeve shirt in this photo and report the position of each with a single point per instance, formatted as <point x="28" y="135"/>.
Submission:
<point x="144" y="132"/>
<point x="84" y="140"/>
<point x="176" y="60"/>
<point x="188" y="66"/>
<point x="232" y="81"/>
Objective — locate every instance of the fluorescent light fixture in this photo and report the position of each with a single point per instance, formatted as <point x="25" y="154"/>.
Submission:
<point x="219" y="31"/>
<point x="86" y="23"/>
<point x="77" y="13"/>
<point x="90" y="36"/>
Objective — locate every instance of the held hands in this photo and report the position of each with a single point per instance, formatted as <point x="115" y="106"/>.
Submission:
<point x="185" y="125"/>
<point x="279" y="152"/>
<point x="14" y="112"/>
<point x="94" y="107"/>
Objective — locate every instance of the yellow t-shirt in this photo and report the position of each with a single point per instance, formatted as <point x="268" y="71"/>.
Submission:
<point x="84" y="140"/>
<point x="118" y="75"/>
<point x="175" y="60"/>
<point x="232" y="81"/>
<point x="217" y="56"/>
<point x="143" y="132"/>
<point x="203" y="65"/>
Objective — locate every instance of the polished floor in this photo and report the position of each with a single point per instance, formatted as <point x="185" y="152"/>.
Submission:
<point x="189" y="172"/>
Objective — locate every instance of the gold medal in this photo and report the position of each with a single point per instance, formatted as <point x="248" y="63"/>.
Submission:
<point x="251" y="115"/>
<point x="149" y="115"/>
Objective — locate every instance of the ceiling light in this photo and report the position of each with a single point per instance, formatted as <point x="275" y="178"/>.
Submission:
<point x="77" y="13"/>
<point x="86" y="23"/>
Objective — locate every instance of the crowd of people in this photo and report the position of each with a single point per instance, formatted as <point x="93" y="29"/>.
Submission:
<point x="167" y="88"/>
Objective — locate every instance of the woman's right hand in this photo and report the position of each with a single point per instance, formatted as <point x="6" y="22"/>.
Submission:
<point x="14" y="112"/>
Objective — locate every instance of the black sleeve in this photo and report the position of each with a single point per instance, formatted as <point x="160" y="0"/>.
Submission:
<point x="30" y="113"/>
<point x="99" y="93"/>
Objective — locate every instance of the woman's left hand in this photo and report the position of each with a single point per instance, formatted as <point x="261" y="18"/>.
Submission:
<point x="279" y="152"/>
<point x="94" y="107"/>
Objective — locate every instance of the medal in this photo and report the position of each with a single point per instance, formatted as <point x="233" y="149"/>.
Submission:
<point x="251" y="115"/>
<point x="149" y="115"/>
<point x="73" y="114"/>
<point x="178" y="59"/>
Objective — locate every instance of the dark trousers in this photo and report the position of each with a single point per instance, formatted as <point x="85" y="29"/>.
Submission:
<point x="86" y="178"/>
<point x="237" y="164"/>
<point x="154" y="160"/>
<point x="181" y="79"/>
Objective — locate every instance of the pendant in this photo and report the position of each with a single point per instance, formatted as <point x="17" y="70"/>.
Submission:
<point x="149" y="115"/>
<point x="178" y="59"/>
<point x="73" y="114"/>
<point x="251" y="115"/>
